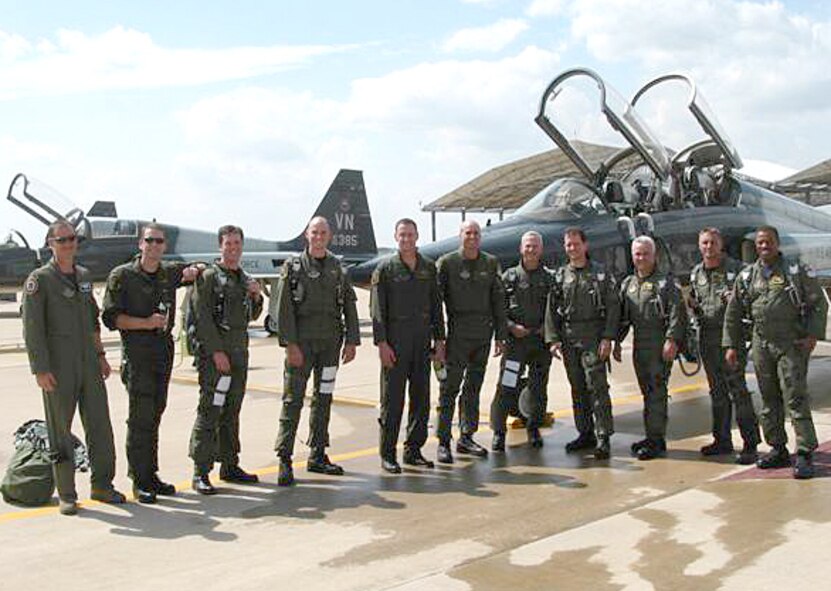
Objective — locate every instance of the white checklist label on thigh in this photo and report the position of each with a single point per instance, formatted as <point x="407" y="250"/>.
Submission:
<point x="327" y="379"/>
<point x="223" y="384"/>
<point x="510" y="376"/>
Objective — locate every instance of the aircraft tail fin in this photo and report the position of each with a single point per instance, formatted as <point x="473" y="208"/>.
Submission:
<point x="346" y="208"/>
<point x="103" y="209"/>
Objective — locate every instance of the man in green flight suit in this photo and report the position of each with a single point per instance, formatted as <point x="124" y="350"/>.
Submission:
<point x="470" y="286"/>
<point x="317" y="323"/>
<point x="141" y="303"/>
<point x="651" y="303"/>
<point x="783" y="301"/>
<point x="63" y="340"/>
<point x="406" y="319"/>
<point x="224" y="302"/>
<point x="581" y="322"/>
<point x="526" y="292"/>
<point x="711" y="286"/>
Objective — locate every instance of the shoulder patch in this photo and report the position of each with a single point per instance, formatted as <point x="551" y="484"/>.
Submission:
<point x="31" y="286"/>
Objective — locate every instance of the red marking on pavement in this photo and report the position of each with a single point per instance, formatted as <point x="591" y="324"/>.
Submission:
<point x="822" y="468"/>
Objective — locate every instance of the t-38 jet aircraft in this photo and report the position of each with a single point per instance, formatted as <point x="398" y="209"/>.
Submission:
<point x="642" y="189"/>
<point x="108" y="241"/>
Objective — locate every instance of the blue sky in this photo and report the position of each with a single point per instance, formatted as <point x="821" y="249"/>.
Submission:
<point x="203" y="113"/>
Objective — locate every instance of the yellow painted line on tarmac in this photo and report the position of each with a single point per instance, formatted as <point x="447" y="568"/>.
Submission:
<point x="346" y="456"/>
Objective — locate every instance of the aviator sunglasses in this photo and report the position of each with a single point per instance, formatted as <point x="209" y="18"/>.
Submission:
<point x="153" y="240"/>
<point x="64" y="239"/>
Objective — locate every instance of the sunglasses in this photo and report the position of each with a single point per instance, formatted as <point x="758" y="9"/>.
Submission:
<point x="63" y="239"/>
<point x="153" y="240"/>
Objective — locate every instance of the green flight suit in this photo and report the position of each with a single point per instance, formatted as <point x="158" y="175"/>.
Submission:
<point x="147" y="356"/>
<point x="652" y="306"/>
<point x="222" y="310"/>
<point x="526" y="293"/>
<point x="474" y="299"/>
<point x="583" y="309"/>
<point x="406" y="314"/>
<point x="60" y="321"/>
<point x="784" y="303"/>
<point x="315" y="310"/>
<point x="711" y="289"/>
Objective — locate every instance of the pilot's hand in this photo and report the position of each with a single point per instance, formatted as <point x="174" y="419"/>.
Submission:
<point x="190" y="273"/>
<point x="46" y="381"/>
<point x="498" y="348"/>
<point x="156" y="321"/>
<point x="617" y="352"/>
<point x="348" y="353"/>
<point x="670" y="350"/>
<point x="294" y="355"/>
<point x="807" y="344"/>
<point x="439" y="352"/>
<point x="556" y="350"/>
<point x="221" y="362"/>
<point x="104" y="367"/>
<point x="519" y="331"/>
<point x="254" y="290"/>
<point x="731" y="357"/>
<point x="604" y="349"/>
<point x="387" y="355"/>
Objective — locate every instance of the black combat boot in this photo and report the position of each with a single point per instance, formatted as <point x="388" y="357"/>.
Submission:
<point x="414" y="457"/>
<point x="144" y="493"/>
<point x="583" y="441"/>
<point x="498" y="442"/>
<point x="804" y="467"/>
<point x="202" y="485"/>
<point x="236" y="474"/>
<point x="320" y="463"/>
<point x="444" y="455"/>
<point x="603" y="449"/>
<point x="534" y="438"/>
<point x="653" y="448"/>
<point x="163" y="489"/>
<point x="466" y="445"/>
<point x="390" y="465"/>
<point x="748" y="455"/>
<point x="778" y="457"/>
<point x="717" y="448"/>
<point x="285" y="472"/>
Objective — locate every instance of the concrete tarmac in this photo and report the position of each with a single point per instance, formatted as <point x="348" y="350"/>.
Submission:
<point x="526" y="519"/>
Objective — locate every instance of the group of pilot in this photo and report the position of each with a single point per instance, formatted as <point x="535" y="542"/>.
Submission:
<point x="529" y="314"/>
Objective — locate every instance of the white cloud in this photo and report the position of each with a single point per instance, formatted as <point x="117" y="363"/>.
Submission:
<point x="491" y="38"/>
<point x="541" y="8"/>
<point x="123" y="58"/>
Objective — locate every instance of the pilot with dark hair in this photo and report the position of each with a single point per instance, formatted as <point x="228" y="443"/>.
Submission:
<point x="406" y="320"/>
<point x="470" y="286"/>
<point x="787" y="310"/>
<point x="317" y="323"/>
<point x="581" y="322"/>
<point x="140" y="302"/>
<point x="63" y="340"/>
<point x="651" y="304"/>
<point x="526" y="292"/>
<point x="224" y="302"/>
<point x="711" y="286"/>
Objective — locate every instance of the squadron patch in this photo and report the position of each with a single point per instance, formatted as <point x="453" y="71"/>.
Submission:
<point x="647" y="286"/>
<point x="702" y="279"/>
<point x="633" y="288"/>
<point x="777" y="280"/>
<point x="85" y="287"/>
<point x="31" y="286"/>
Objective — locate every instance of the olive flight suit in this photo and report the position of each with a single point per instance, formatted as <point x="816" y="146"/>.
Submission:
<point x="315" y="310"/>
<point x="652" y="306"/>
<point x="526" y="294"/>
<point x="147" y="355"/>
<point x="60" y="322"/>
<point x="406" y="314"/>
<point x="475" y="303"/>
<point x="711" y="290"/>
<point x="222" y="310"/>
<point x="784" y="303"/>
<point x="583" y="309"/>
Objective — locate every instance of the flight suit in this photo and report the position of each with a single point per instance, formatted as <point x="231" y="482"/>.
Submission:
<point x="60" y="321"/>
<point x="222" y="310"/>
<point x="652" y="306"/>
<point x="784" y="302"/>
<point x="526" y="293"/>
<point x="406" y="313"/>
<point x="315" y="309"/>
<point x="710" y="290"/>
<point x="474" y="299"/>
<point x="147" y="355"/>
<point x="583" y="309"/>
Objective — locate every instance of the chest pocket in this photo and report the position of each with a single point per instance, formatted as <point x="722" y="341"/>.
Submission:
<point x="321" y="291"/>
